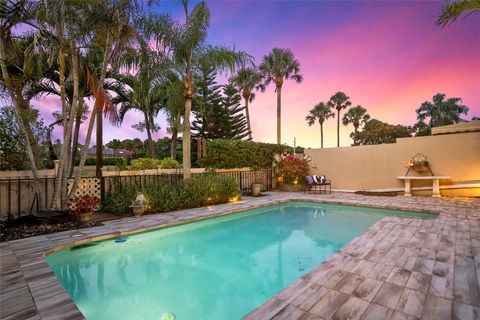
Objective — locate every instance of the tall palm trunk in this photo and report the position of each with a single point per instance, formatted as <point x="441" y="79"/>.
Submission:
<point x="148" y="121"/>
<point x="16" y="107"/>
<point x="99" y="141"/>
<point x="246" y="96"/>
<point x="96" y="106"/>
<point x="186" y="143"/>
<point x="173" y="144"/>
<point x="338" y="128"/>
<point x="61" y="178"/>
<point x="279" y="114"/>
<point x="321" y="134"/>
<point x="76" y="134"/>
<point x="24" y="109"/>
<point x="83" y="152"/>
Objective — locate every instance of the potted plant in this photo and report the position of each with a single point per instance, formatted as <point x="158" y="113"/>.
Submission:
<point x="138" y="205"/>
<point x="84" y="207"/>
<point x="292" y="173"/>
<point x="257" y="186"/>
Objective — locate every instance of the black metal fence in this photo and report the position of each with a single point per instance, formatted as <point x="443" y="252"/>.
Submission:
<point x="244" y="180"/>
<point x="18" y="197"/>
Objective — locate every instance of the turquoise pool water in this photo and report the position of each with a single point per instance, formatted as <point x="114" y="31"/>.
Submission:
<point x="220" y="268"/>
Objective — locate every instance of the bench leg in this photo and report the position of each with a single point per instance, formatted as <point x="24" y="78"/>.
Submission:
<point x="436" y="188"/>
<point x="408" y="188"/>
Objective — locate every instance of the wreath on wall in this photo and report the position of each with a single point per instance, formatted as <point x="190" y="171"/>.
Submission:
<point x="419" y="163"/>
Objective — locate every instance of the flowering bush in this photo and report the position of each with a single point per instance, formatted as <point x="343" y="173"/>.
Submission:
<point x="293" y="169"/>
<point x="85" y="204"/>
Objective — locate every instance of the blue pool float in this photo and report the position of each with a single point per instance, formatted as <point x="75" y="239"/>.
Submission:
<point x="121" y="239"/>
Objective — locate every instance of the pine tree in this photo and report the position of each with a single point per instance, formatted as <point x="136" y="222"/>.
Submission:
<point x="206" y="103"/>
<point x="217" y="109"/>
<point x="237" y="124"/>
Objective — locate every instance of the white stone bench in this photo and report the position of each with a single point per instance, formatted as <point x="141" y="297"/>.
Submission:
<point x="435" y="184"/>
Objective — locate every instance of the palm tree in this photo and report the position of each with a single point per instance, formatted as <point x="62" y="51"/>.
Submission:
<point x="277" y="66"/>
<point x="187" y="48"/>
<point x="144" y="93"/>
<point x="320" y="113"/>
<point x="440" y="112"/>
<point x="12" y="15"/>
<point x="339" y="101"/>
<point x="173" y="107"/>
<point x="454" y="9"/>
<point x="247" y="79"/>
<point x="356" y="116"/>
<point x="113" y="33"/>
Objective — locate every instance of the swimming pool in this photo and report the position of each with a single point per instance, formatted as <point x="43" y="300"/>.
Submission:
<point x="220" y="268"/>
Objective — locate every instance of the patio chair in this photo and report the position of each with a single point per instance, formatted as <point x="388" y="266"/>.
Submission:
<point x="318" y="183"/>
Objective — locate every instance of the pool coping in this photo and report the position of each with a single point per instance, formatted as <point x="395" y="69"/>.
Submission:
<point x="26" y="277"/>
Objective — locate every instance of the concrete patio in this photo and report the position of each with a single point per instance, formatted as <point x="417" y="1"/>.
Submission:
<point x="398" y="269"/>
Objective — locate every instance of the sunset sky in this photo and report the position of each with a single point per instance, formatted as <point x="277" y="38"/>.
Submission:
<point x="388" y="56"/>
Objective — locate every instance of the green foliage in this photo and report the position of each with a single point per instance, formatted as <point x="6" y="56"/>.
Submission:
<point x="119" y="162"/>
<point x="378" y="132"/>
<point x="455" y="9"/>
<point x="115" y="144"/>
<point x="196" y="192"/>
<point x="239" y="154"/>
<point x="144" y="164"/>
<point x="440" y="112"/>
<point x="12" y="145"/>
<point x="293" y="170"/>
<point x="218" y="113"/>
<point x="169" y="163"/>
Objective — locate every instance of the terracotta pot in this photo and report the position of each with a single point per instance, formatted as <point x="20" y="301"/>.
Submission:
<point x="86" y="218"/>
<point x="138" y="210"/>
<point x="256" y="189"/>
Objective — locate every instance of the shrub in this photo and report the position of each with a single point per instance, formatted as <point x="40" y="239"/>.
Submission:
<point x="164" y="196"/>
<point x="169" y="163"/>
<point x="144" y="164"/>
<point x="293" y="169"/>
<point x="107" y="161"/>
<point x="224" y="154"/>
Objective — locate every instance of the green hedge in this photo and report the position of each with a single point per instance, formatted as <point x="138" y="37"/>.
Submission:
<point x="224" y="154"/>
<point x="107" y="161"/>
<point x="196" y="192"/>
<point x="144" y="164"/>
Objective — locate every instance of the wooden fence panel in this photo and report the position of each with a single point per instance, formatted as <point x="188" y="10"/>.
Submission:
<point x="18" y="197"/>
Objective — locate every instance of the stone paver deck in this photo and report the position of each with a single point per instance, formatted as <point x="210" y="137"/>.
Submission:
<point x="398" y="269"/>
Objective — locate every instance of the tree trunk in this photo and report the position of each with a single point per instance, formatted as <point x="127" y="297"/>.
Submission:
<point x="149" y="137"/>
<point x="25" y="108"/>
<point x="186" y="143"/>
<point x="321" y="134"/>
<point x="338" y="128"/>
<point x="247" y="113"/>
<point x="99" y="141"/>
<point x="96" y="106"/>
<point x="83" y="153"/>
<point x="60" y="191"/>
<point x="173" y="144"/>
<point x="279" y="115"/>
<point x="16" y="107"/>
<point x="61" y="75"/>
<point x="355" y="135"/>
<point x="76" y="134"/>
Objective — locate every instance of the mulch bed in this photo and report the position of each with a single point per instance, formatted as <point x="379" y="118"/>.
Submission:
<point x="30" y="226"/>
